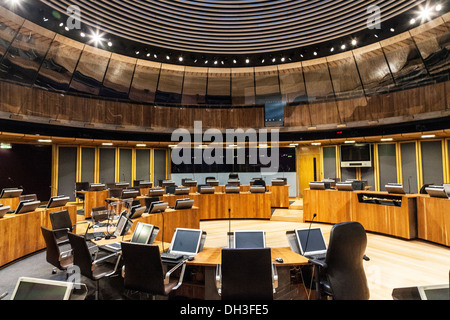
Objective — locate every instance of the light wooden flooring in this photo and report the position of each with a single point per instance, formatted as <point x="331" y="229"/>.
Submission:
<point x="394" y="263"/>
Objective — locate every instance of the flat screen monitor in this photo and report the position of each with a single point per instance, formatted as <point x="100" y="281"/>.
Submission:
<point x="130" y="194"/>
<point x="27" y="206"/>
<point x="190" y="183"/>
<point x="206" y="189"/>
<point x="395" y="188"/>
<point x="434" y="292"/>
<point x="97" y="187"/>
<point x="344" y="186"/>
<point x="356" y="155"/>
<point x="123" y="225"/>
<point x="30" y="289"/>
<point x="316" y="185"/>
<point x="184" y="204"/>
<point x="82" y="186"/>
<point x="437" y="192"/>
<point x="182" y="191"/>
<point x="56" y="202"/>
<point x="10" y="193"/>
<point x="158" y="206"/>
<point x="249" y="240"/>
<point x="279" y="182"/>
<point x="136" y="212"/>
<point x="122" y="185"/>
<point x="186" y="241"/>
<point x="168" y="183"/>
<point x="258" y="189"/>
<point x="212" y="183"/>
<point x="157" y="192"/>
<point x="145" y="184"/>
<point x="232" y="189"/>
<point x="311" y="241"/>
<point x="4" y="210"/>
<point x="142" y="233"/>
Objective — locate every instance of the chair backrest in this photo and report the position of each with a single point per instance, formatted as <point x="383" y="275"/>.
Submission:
<point x="143" y="268"/>
<point x="345" y="272"/>
<point x="259" y="182"/>
<point x="115" y="192"/>
<point x="61" y="220"/>
<point x="247" y="274"/>
<point x="81" y="255"/>
<point x="53" y="251"/>
<point x="98" y="214"/>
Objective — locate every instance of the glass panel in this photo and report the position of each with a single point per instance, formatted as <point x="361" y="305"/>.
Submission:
<point x="404" y="60"/>
<point x="59" y="64"/>
<point x="268" y="94"/>
<point x="145" y="81"/>
<point x="194" y="88"/>
<point x="344" y="74"/>
<point x="292" y="84"/>
<point x="373" y="69"/>
<point x="170" y="84"/>
<point x="219" y="86"/>
<point x="433" y="42"/>
<point x="25" y="55"/>
<point x="118" y="77"/>
<point x="89" y="75"/>
<point x="243" y="86"/>
<point x="9" y="26"/>
<point x="317" y="80"/>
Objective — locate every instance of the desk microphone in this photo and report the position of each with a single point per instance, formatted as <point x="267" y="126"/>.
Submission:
<point x="229" y="220"/>
<point x="309" y="230"/>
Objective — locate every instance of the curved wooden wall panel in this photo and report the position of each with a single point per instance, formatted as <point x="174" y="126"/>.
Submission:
<point x="405" y="75"/>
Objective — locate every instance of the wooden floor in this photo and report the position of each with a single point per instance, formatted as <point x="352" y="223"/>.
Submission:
<point x="394" y="263"/>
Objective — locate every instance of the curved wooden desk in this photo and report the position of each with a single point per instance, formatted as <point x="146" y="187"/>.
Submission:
<point x="11" y="202"/>
<point x="21" y="234"/>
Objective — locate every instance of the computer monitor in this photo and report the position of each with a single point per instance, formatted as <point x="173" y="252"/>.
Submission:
<point x="30" y="289"/>
<point x="4" y="210"/>
<point x="97" y="187"/>
<point x="257" y="189"/>
<point x="158" y="206"/>
<point x="157" y="192"/>
<point x="27" y="206"/>
<point x="232" y="189"/>
<point x="11" y="193"/>
<point x="122" y="185"/>
<point x="437" y="192"/>
<point x="311" y="241"/>
<point x="190" y="183"/>
<point x="206" y="189"/>
<point x="182" y="191"/>
<point x="145" y="184"/>
<point x="167" y="183"/>
<point x="186" y="242"/>
<point x="344" y="186"/>
<point x="395" y="188"/>
<point x="279" y="182"/>
<point x="143" y="233"/>
<point x="249" y="240"/>
<point x="82" y="186"/>
<point x="56" y="202"/>
<point x="434" y="292"/>
<point x="123" y="225"/>
<point x="136" y="211"/>
<point x="130" y="194"/>
<point x="184" y="204"/>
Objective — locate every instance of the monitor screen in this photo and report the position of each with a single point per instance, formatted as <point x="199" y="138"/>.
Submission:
<point x="44" y="290"/>
<point x="249" y="240"/>
<point x="142" y="233"/>
<point x="356" y="152"/>
<point x="122" y="226"/>
<point x="55" y="202"/>
<point x="186" y="241"/>
<point x="27" y="206"/>
<point x="311" y="240"/>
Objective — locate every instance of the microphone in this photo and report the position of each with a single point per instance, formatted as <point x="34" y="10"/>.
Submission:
<point x="229" y="220"/>
<point x="309" y="230"/>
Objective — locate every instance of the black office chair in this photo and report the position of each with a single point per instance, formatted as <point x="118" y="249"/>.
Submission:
<point x="61" y="260"/>
<point x="143" y="270"/>
<point x="86" y="260"/>
<point x="246" y="274"/>
<point x="62" y="224"/>
<point x="341" y="275"/>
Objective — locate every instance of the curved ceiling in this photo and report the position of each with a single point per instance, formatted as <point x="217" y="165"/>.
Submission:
<point x="234" y="26"/>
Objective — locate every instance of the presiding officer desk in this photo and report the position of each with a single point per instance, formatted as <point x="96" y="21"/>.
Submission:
<point x="412" y="216"/>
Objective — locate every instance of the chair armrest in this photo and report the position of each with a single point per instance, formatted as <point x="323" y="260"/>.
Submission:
<point x="62" y="229"/>
<point x="3" y="296"/>
<point x="169" y="273"/>
<point x="101" y="260"/>
<point x="320" y="263"/>
<point x="274" y="277"/>
<point x="219" y="278"/>
<point x="65" y="254"/>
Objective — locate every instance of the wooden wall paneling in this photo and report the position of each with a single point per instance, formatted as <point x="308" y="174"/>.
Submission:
<point x="170" y="84"/>
<point x="118" y="76"/>
<point x="243" y="86"/>
<point x="219" y="86"/>
<point x="145" y="81"/>
<point x="292" y="83"/>
<point x="14" y="98"/>
<point x="194" y="86"/>
<point x="297" y="115"/>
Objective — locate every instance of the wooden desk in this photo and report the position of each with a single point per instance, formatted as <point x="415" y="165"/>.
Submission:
<point x="399" y="221"/>
<point x="11" y="202"/>
<point x="21" y="234"/>
<point x="93" y="199"/>
<point x="433" y="219"/>
<point x="280" y="196"/>
<point x="331" y="206"/>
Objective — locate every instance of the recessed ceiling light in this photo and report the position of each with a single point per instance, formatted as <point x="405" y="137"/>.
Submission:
<point x="247" y="61"/>
<point x="438" y="7"/>
<point x="392" y="30"/>
<point x="44" y="141"/>
<point x="180" y="59"/>
<point x="350" y="142"/>
<point x="316" y="144"/>
<point x="107" y="144"/>
<point x="354" y="42"/>
<point x="412" y="21"/>
<point x="343" y="47"/>
<point x="428" y="136"/>
<point x="387" y="139"/>
<point x="110" y="44"/>
<point x="332" y="50"/>
<point x="141" y="145"/>
<point x="315" y="53"/>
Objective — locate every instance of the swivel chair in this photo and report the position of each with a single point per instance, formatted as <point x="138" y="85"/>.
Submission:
<point x="62" y="224"/>
<point x="341" y="275"/>
<point x="246" y="274"/>
<point x="88" y="264"/>
<point x="143" y="270"/>
<point x="61" y="260"/>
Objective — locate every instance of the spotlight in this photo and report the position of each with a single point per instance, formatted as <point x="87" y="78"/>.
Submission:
<point x="354" y="42"/>
<point x="283" y="59"/>
<point x="110" y="44"/>
<point x="167" y="58"/>
<point x="247" y="61"/>
<point x="438" y="7"/>
<point x="425" y="13"/>
<point x="96" y="38"/>
<point x="82" y="34"/>
<point x="412" y="21"/>
<point x="274" y="60"/>
<point x="315" y="53"/>
<point x="332" y="50"/>
<point x="343" y="47"/>
<point x="180" y="59"/>
<point x="216" y="62"/>
<point x="234" y="61"/>
<point x="392" y="30"/>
